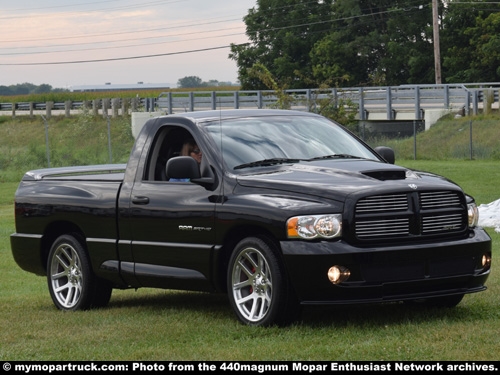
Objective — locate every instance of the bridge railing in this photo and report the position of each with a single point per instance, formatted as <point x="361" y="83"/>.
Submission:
<point x="383" y="102"/>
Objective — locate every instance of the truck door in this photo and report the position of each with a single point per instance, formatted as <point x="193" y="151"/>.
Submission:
<point x="171" y="224"/>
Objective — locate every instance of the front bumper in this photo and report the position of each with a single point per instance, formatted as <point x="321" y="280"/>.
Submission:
<point x="387" y="273"/>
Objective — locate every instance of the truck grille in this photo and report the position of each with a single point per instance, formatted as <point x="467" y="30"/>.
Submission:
<point x="410" y="215"/>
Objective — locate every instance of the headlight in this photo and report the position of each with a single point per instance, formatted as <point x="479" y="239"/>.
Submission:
<point x="313" y="226"/>
<point x="473" y="214"/>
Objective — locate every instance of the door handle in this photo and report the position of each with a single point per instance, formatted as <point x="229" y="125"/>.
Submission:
<point x="140" y="200"/>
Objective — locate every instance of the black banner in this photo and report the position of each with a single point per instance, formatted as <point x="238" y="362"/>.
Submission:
<point x="271" y="367"/>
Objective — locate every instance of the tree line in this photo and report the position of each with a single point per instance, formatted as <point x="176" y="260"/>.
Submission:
<point x="195" y="81"/>
<point x="342" y="43"/>
<point x="27" y="89"/>
<point x="30" y="88"/>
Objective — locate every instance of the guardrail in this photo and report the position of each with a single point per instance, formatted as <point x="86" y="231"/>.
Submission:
<point x="98" y="106"/>
<point x="371" y="100"/>
<point x="381" y="103"/>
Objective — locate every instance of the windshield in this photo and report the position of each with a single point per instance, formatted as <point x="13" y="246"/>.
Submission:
<point x="258" y="141"/>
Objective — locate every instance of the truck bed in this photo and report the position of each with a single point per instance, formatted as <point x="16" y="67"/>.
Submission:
<point x="107" y="172"/>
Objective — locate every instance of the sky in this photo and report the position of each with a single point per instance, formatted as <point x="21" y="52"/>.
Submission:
<point x="67" y="43"/>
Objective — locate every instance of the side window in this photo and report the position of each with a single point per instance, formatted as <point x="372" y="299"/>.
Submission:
<point x="167" y="144"/>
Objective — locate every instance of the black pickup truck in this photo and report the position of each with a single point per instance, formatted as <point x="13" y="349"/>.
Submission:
<point x="286" y="209"/>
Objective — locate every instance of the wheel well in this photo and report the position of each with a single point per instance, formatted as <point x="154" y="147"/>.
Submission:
<point x="52" y="232"/>
<point x="230" y="241"/>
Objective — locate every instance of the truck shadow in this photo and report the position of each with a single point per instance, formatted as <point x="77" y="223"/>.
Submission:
<point x="217" y="305"/>
<point x="383" y="315"/>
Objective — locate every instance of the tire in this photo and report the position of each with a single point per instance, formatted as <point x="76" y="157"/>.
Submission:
<point x="439" y="302"/>
<point x="72" y="284"/>
<point x="258" y="288"/>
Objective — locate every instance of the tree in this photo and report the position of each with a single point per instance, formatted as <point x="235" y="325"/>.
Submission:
<point x="42" y="89"/>
<point x="282" y="33"/>
<point x="5" y="90"/>
<point x="211" y="83"/>
<point x="357" y="39"/>
<point x="190" y="82"/>
<point x="470" y="41"/>
<point x="485" y="37"/>
<point x="373" y="43"/>
<point x="409" y="53"/>
<point x="21" y="89"/>
<point x="28" y="88"/>
<point x="354" y="42"/>
<point x="259" y="71"/>
<point x="368" y="42"/>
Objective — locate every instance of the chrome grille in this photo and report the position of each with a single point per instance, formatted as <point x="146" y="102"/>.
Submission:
<point x="410" y="215"/>
<point x="438" y="199"/>
<point x="441" y="223"/>
<point x="383" y="203"/>
<point x="377" y="228"/>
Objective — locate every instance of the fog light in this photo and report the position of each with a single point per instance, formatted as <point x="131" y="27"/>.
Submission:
<point x="338" y="274"/>
<point x="486" y="261"/>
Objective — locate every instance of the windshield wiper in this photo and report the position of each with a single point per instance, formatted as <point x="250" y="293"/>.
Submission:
<point x="266" y="162"/>
<point x="337" y="156"/>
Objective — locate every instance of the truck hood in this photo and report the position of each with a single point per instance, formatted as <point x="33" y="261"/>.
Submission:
<point x="336" y="179"/>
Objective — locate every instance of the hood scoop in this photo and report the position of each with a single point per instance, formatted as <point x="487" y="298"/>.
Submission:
<point x="386" y="175"/>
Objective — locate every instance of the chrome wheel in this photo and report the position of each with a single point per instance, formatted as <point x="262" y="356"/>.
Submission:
<point x="258" y="288"/>
<point x="72" y="284"/>
<point x="66" y="276"/>
<point x="252" y="285"/>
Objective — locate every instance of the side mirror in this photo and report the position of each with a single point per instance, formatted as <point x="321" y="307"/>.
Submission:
<point x="186" y="168"/>
<point x="182" y="167"/>
<point x="386" y="153"/>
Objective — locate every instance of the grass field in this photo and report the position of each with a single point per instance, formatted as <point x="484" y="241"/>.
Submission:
<point x="169" y="325"/>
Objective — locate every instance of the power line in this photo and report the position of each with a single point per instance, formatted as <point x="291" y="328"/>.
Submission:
<point x="126" y="46"/>
<point x="117" y="58"/>
<point x="140" y="5"/>
<point x="327" y="21"/>
<point x="177" y="35"/>
<point x="124" y="40"/>
<point x="122" y="32"/>
<point x="17" y="40"/>
<point x="62" y="6"/>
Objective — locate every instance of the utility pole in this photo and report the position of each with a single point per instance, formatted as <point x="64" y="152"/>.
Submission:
<point x="437" y="53"/>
